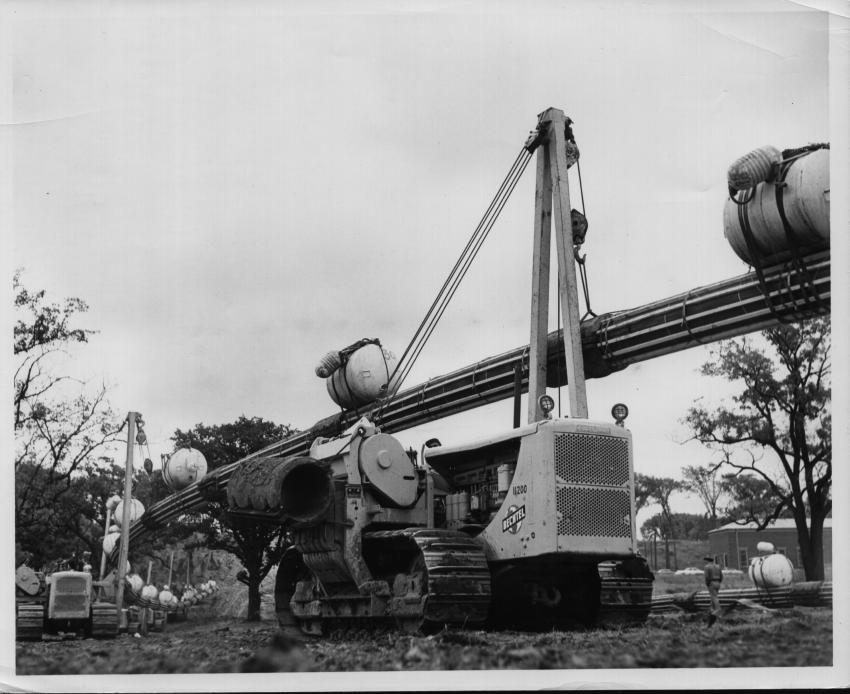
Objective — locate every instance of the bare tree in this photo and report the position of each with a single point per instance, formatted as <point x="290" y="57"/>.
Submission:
<point x="56" y="432"/>
<point x="40" y="330"/>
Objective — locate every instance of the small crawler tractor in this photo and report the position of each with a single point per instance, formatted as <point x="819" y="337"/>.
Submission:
<point x="63" y="602"/>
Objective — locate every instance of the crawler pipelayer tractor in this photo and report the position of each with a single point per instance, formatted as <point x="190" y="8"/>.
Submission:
<point x="534" y="527"/>
<point x="509" y="531"/>
<point x="61" y="602"/>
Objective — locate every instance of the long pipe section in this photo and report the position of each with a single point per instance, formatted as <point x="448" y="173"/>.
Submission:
<point x="610" y="342"/>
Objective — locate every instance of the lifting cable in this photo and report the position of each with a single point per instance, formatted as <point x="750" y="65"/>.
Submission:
<point x="559" y="361"/>
<point x="776" y="176"/>
<point x="755" y="255"/>
<point x="581" y="259"/>
<point x="807" y="285"/>
<point x="142" y="443"/>
<point x="429" y="323"/>
<point x="458" y="272"/>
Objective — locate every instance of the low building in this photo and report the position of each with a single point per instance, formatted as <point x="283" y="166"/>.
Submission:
<point x="733" y="544"/>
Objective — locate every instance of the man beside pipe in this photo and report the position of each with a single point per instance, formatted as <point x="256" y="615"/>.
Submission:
<point x="713" y="579"/>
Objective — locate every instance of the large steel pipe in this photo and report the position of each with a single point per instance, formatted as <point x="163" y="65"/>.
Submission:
<point x="297" y="488"/>
<point x="610" y="342"/>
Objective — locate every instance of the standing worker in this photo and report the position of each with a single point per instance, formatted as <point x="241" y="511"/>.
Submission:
<point x="713" y="578"/>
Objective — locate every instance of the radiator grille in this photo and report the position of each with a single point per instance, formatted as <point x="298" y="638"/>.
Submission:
<point x="76" y="603"/>
<point x="591" y="459"/>
<point x="593" y="511"/>
<point x="70" y="595"/>
<point x="69" y="584"/>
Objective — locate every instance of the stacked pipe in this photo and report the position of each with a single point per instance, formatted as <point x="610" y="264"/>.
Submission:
<point x="809" y="593"/>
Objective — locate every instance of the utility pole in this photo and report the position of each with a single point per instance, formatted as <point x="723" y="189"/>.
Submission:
<point x="132" y="418"/>
<point x="107" y="522"/>
<point x="552" y="194"/>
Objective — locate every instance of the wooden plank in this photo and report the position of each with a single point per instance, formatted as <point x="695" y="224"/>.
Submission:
<point x="540" y="286"/>
<point x="567" y="279"/>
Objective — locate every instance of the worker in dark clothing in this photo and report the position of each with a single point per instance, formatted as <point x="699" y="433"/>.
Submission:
<point x="713" y="578"/>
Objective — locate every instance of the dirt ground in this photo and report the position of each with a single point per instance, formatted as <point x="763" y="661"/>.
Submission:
<point x="781" y="638"/>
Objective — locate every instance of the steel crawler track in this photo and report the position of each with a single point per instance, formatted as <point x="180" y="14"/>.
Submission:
<point x="429" y="579"/>
<point x="457" y="587"/>
<point x="29" y="622"/>
<point x="104" y="620"/>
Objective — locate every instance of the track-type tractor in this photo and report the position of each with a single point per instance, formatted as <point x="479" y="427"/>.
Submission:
<point x="508" y="532"/>
<point x="63" y="602"/>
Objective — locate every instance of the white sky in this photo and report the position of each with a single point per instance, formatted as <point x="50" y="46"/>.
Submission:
<point x="236" y="188"/>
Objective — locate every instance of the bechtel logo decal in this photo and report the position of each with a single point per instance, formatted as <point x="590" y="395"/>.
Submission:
<point x="513" y="521"/>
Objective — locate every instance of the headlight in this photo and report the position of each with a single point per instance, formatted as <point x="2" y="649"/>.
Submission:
<point x="619" y="412"/>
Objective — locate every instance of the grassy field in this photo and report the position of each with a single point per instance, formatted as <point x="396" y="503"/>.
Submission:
<point x="671" y="583"/>
<point x="216" y="639"/>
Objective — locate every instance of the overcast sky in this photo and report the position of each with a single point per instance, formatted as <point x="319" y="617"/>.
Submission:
<point x="236" y="188"/>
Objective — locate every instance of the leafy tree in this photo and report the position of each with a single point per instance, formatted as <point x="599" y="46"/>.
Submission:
<point x="707" y="484"/>
<point x="660" y="489"/>
<point x="74" y="524"/>
<point x="225" y="443"/>
<point x="684" y="526"/>
<point x="642" y="495"/>
<point x="258" y="547"/>
<point x="752" y="499"/>
<point x="59" y="429"/>
<point x="779" y="426"/>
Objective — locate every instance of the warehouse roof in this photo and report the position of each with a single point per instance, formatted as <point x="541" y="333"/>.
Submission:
<point x="778" y="524"/>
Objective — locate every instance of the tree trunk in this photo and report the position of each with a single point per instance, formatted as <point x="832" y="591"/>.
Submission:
<point x="253" y="548"/>
<point x="253" y="597"/>
<point x="811" y="549"/>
